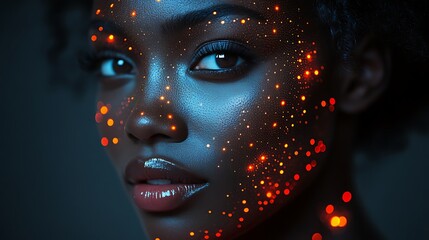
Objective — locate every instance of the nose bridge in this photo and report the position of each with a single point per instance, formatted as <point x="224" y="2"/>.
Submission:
<point x="153" y="116"/>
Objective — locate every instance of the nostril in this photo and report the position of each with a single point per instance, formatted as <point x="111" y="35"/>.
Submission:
<point x="132" y="137"/>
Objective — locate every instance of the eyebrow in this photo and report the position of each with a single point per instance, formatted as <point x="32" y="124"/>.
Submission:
<point x="181" y="22"/>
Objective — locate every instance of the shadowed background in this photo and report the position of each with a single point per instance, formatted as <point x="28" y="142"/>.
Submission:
<point x="57" y="182"/>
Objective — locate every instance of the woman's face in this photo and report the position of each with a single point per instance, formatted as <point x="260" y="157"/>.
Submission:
<point x="215" y="113"/>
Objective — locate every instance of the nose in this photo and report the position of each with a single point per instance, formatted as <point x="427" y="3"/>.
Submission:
<point x="154" y="125"/>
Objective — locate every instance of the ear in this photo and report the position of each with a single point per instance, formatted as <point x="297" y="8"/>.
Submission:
<point x="363" y="79"/>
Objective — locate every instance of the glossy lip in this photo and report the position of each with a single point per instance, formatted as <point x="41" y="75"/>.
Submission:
<point x="161" y="196"/>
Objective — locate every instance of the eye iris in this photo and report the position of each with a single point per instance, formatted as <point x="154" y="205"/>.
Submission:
<point x="224" y="60"/>
<point x="120" y="66"/>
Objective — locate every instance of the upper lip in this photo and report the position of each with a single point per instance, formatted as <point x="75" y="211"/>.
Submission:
<point x="140" y="170"/>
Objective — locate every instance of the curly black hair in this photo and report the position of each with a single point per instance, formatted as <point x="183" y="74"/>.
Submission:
<point x="402" y="26"/>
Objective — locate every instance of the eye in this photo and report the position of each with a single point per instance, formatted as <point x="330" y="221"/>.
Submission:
<point x="113" y="67"/>
<point x="219" y="61"/>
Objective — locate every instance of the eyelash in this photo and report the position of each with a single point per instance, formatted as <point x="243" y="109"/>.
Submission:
<point x="92" y="61"/>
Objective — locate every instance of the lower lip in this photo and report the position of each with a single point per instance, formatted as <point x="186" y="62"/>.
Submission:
<point x="163" y="198"/>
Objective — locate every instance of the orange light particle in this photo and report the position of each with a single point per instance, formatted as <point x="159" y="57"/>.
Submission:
<point x="100" y="29"/>
<point x="316" y="72"/>
<point x="274" y="30"/>
<point x="283" y="103"/>
<point x="277" y="8"/>
<point x="133" y="13"/>
<point x="274" y="125"/>
<point x="329" y="209"/>
<point x="110" y="38"/>
<point x="241" y="219"/>
<point x="115" y="141"/>
<point x="110" y="122"/>
<point x="317" y="236"/>
<point x="343" y="221"/>
<point x="269" y="194"/>
<point x="323" y="103"/>
<point x="173" y="128"/>
<point x="243" y="21"/>
<point x="246" y="210"/>
<point x="93" y="38"/>
<point x="308" y="56"/>
<point x="191" y="234"/>
<point x="104" y="142"/>
<point x="307" y="73"/>
<point x="104" y="110"/>
<point x="347" y="197"/>
<point x="112" y="5"/>
<point x="170" y="116"/>
<point x="303" y="98"/>
<point x="250" y="168"/>
<point x="218" y="234"/>
<point x="98" y="12"/>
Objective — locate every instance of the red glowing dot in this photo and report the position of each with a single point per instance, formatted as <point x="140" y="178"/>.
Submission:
<point x="317" y="236"/>
<point x="332" y="101"/>
<point x="104" y="142"/>
<point x="277" y="8"/>
<point x="312" y="142"/>
<point x="323" y="104"/>
<point x="308" y="153"/>
<point x="98" y="117"/>
<point x="296" y="177"/>
<point x="250" y="168"/>
<point x="329" y="209"/>
<point x="93" y="38"/>
<point x="97" y="12"/>
<point x="100" y="28"/>
<point x="308" y="167"/>
<point x="218" y="234"/>
<point x="347" y="197"/>
<point x="241" y="219"/>
<point x="206" y="237"/>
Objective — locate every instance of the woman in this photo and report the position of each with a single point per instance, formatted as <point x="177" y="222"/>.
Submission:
<point x="239" y="119"/>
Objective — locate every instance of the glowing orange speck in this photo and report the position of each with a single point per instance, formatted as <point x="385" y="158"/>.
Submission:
<point x="170" y="116"/>
<point x="250" y="167"/>
<point x="316" y="72"/>
<point x="283" y="103"/>
<point x="347" y="197"/>
<point x="246" y="210"/>
<point x="110" y="122"/>
<point x="100" y="29"/>
<point x="308" y="56"/>
<point x="104" y="110"/>
<point x="110" y="38"/>
<point x="317" y="236"/>
<point x="307" y="73"/>
<point x="308" y="154"/>
<point x="112" y="5"/>
<point x="312" y="142"/>
<point x="274" y="125"/>
<point x="97" y="12"/>
<point x="243" y="21"/>
<point x="323" y="103"/>
<point x="241" y="219"/>
<point x="277" y="8"/>
<point x="329" y="209"/>
<point x="191" y="234"/>
<point x="269" y="194"/>
<point x="104" y="142"/>
<point x="93" y="38"/>
<point x="274" y="30"/>
<point x="343" y="221"/>
<point x="115" y="141"/>
<point x="303" y="98"/>
<point x="173" y="128"/>
<point x="133" y="13"/>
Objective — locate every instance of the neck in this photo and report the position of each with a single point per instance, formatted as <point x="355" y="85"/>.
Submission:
<point x="307" y="215"/>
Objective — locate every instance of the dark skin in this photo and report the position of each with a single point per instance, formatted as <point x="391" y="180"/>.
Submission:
<point x="238" y="94"/>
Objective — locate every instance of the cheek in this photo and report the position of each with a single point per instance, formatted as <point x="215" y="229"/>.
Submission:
<point x="278" y="142"/>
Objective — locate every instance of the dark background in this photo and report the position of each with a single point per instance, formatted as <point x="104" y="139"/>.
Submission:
<point x="57" y="182"/>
